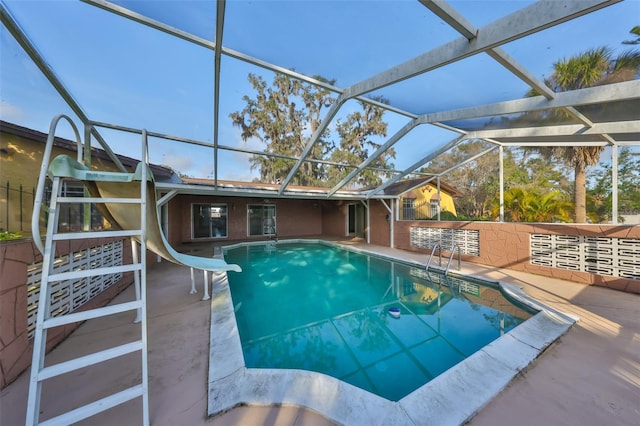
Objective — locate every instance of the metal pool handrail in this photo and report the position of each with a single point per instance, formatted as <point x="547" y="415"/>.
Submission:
<point x="431" y="257"/>
<point x="453" y="250"/>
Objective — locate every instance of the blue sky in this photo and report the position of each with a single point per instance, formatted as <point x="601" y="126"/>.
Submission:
<point x="124" y="73"/>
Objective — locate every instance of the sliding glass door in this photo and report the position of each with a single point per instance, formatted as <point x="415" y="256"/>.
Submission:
<point x="261" y="219"/>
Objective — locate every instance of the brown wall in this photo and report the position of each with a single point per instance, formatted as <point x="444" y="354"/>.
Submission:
<point x="334" y="218"/>
<point x="380" y="227"/>
<point x="506" y="245"/>
<point x="296" y="218"/>
<point x="15" y="257"/>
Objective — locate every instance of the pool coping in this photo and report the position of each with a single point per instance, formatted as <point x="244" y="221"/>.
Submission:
<point x="451" y="398"/>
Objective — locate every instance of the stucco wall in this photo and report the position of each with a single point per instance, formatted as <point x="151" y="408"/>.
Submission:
<point x="506" y="245"/>
<point x="426" y="193"/>
<point x="15" y="257"/>
<point x="20" y="162"/>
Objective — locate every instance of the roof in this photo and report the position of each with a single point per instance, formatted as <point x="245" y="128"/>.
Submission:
<point x="159" y="172"/>
<point x="395" y="190"/>
<point x="449" y="72"/>
<point x="404" y="186"/>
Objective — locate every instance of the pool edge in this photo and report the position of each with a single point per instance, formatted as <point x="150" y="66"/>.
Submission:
<point x="453" y="398"/>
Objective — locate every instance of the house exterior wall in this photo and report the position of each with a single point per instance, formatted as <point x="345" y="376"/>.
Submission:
<point x="334" y="218"/>
<point x="380" y="226"/>
<point x="295" y="218"/>
<point x="20" y="162"/>
<point x="425" y="193"/>
<point x="506" y="245"/>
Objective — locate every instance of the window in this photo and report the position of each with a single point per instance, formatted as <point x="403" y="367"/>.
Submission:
<point x="209" y="220"/>
<point x="261" y="219"/>
<point x="408" y="209"/>
<point x="433" y="209"/>
<point x="71" y="215"/>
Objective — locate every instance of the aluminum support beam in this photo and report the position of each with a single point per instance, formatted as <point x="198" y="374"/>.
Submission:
<point x="627" y="90"/>
<point x="445" y="12"/>
<point x="383" y="148"/>
<point x="561" y="130"/>
<point x="429" y="157"/>
<point x="41" y="63"/>
<point x="458" y="22"/>
<point x="529" y="20"/>
<point x="52" y="77"/>
<point x="142" y="19"/>
<point x="468" y="160"/>
<point x="314" y="138"/>
<point x="217" y="54"/>
<point x="167" y="29"/>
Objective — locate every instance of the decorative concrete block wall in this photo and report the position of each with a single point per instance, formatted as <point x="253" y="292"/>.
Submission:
<point x="509" y="246"/>
<point x="16" y="257"/>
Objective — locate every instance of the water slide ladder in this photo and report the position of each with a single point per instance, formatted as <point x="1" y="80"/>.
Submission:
<point x="132" y="210"/>
<point x="45" y="320"/>
<point x="438" y="247"/>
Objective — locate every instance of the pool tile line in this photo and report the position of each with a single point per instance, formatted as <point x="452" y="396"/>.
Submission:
<point x="451" y="398"/>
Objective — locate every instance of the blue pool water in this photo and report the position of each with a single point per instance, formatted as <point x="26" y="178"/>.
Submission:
<point x="321" y="308"/>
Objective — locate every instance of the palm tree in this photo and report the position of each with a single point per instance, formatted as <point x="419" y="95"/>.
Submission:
<point x="590" y="68"/>
<point x="525" y="205"/>
<point x="636" y="32"/>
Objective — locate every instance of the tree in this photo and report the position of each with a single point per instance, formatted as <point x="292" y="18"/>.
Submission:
<point x="285" y="115"/>
<point x="477" y="180"/>
<point x="274" y="118"/>
<point x="636" y="32"/>
<point x="590" y="68"/>
<point x="628" y="187"/>
<point x="355" y="142"/>
<point x="533" y="205"/>
<point x="524" y="169"/>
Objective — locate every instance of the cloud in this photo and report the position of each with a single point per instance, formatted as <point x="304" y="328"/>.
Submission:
<point x="178" y="163"/>
<point x="12" y="113"/>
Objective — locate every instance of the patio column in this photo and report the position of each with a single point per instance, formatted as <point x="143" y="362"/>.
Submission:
<point x="392" y="227"/>
<point x="438" y="186"/>
<point x="614" y="184"/>
<point x="501" y="163"/>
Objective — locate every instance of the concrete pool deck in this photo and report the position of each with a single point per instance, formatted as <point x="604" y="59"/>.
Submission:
<point x="590" y="376"/>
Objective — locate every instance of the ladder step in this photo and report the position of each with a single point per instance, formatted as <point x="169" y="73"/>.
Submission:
<point x="63" y="276"/>
<point x="96" y="234"/>
<point x="90" y="314"/>
<point x="96" y="407"/>
<point x="85" y="361"/>
<point x="99" y="200"/>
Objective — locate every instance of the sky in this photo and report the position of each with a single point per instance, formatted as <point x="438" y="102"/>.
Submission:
<point x="127" y="74"/>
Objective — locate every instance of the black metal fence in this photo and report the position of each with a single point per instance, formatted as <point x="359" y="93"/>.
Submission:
<point x="419" y="211"/>
<point x="17" y="205"/>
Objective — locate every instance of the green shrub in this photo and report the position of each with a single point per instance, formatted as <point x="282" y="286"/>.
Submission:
<point x="6" y="235"/>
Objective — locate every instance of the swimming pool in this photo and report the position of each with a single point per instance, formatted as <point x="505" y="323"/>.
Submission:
<point x="322" y="308"/>
<point x="451" y="398"/>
